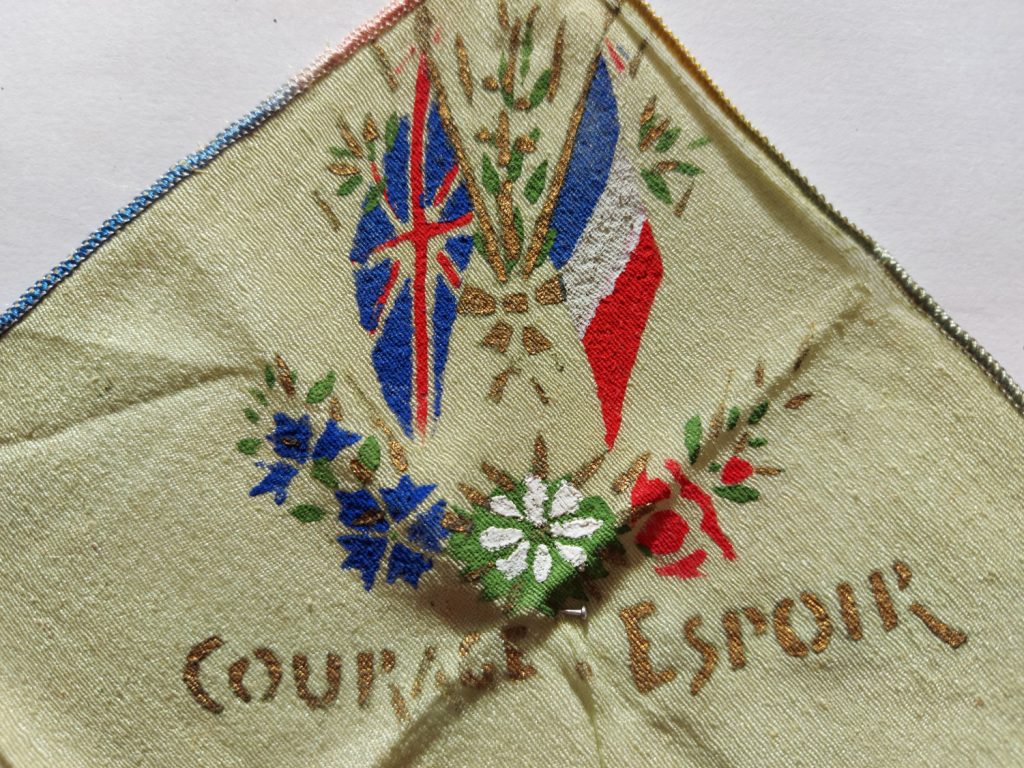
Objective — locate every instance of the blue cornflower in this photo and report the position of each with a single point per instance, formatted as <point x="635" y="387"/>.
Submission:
<point x="377" y="537"/>
<point x="291" y="439"/>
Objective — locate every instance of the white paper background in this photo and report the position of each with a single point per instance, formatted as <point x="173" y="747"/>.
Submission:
<point x="909" y="116"/>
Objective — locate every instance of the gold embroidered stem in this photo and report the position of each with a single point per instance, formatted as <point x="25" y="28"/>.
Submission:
<point x="465" y="73"/>
<point x="543" y="224"/>
<point x="327" y="211"/>
<point x="385" y="66"/>
<point x="483" y="218"/>
<point x="626" y="480"/>
<point x="557" y="57"/>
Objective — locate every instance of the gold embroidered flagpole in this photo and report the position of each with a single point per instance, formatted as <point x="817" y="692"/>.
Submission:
<point x="540" y="230"/>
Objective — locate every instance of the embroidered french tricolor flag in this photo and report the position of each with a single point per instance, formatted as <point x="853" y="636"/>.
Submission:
<point x="604" y="249"/>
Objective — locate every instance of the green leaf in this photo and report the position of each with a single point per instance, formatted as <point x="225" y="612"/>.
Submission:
<point x="714" y="466"/>
<point x="536" y="182"/>
<point x="252" y="415"/>
<point x="658" y="186"/>
<point x="308" y="513"/>
<point x="741" y="494"/>
<point x="688" y="169"/>
<point x="694" y="433"/>
<point x="733" y="418"/>
<point x="492" y="183"/>
<point x="478" y="243"/>
<point x="758" y="413"/>
<point x="341" y="153"/>
<point x="549" y="243"/>
<point x="647" y="127"/>
<point x="373" y="198"/>
<point x="322" y="472"/>
<point x="259" y="396"/>
<point x="391" y="131"/>
<point x="322" y="389"/>
<point x="540" y="88"/>
<point x="526" y="50"/>
<point x="703" y="141"/>
<point x="758" y="442"/>
<point x="668" y="140"/>
<point x="350" y="185"/>
<point x="515" y="165"/>
<point x="249" y="446"/>
<point x="369" y="453"/>
<point x="268" y="376"/>
<point x="517" y="223"/>
<point x="371" y="151"/>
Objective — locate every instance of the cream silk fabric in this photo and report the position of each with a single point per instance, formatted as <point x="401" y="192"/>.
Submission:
<point x="130" y="537"/>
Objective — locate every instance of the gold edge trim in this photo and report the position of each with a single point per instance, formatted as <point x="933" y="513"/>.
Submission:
<point x="918" y="295"/>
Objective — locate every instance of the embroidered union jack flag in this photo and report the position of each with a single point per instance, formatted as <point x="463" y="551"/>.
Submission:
<point x="411" y="246"/>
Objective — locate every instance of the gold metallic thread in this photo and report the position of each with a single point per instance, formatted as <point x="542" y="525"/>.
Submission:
<point x="543" y="222"/>
<point x="350" y="138"/>
<point x="469" y="678"/>
<point x="540" y="457"/>
<point x="734" y="638"/>
<point x="506" y="212"/>
<point x="362" y="473"/>
<point x="539" y="389"/>
<point x="385" y="66"/>
<point x="634" y="65"/>
<point x="370" y="132"/>
<point x="499" y="337"/>
<point x="626" y="480"/>
<point x="364" y="676"/>
<point x="649" y="110"/>
<point x="398" y="704"/>
<point x="476" y="301"/>
<point x="645" y="677"/>
<point x="396" y="452"/>
<point x="584" y="671"/>
<point x="456" y="523"/>
<point x="327" y="211"/>
<point x="275" y="671"/>
<point x="429" y="655"/>
<point x="190" y="674"/>
<point x="516" y="666"/>
<point x="502" y="140"/>
<point x="588" y="470"/>
<point x="821" y="618"/>
<point x="550" y="292"/>
<point x="473" y="495"/>
<point x="797" y="401"/>
<point x="501" y="479"/>
<point x="684" y="201"/>
<point x="850" y="612"/>
<point x="503" y="19"/>
<point x="903" y="574"/>
<point x="236" y="679"/>
<point x="742" y="443"/>
<point x="784" y="633"/>
<point x="759" y="374"/>
<point x="500" y="383"/>
<point x="334" y="408"/>
<point x="465" y="74"/>
<point x="534" y="340"/>
<point x="491" y="83"/>
<point x="466" y="169"/>
<point x="757" y="619"/>
<point x="508" y="83"/>
<point x="284" y="375"/>
<point x="706" y="650"/>
<point x="952" y="637"/>
<point x="654" y="134"/>
<point x="300" y="668"/>
<point x="883" y="601"/>
<point x="388" y="660"/>
<point x="515" y="303"/>
<point x="557" y="57"/>
<point x="767" y="471"/>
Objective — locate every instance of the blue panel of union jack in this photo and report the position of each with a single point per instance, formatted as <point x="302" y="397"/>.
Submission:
<point x="411" y="246"/>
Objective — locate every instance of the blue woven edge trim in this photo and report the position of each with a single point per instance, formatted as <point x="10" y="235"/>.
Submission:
<point x="163" y="185"/>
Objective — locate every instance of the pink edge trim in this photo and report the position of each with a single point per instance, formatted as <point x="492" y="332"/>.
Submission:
<point x="364" y="34"/>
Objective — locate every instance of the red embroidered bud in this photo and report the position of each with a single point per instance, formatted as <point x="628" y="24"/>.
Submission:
<point x="736" y="470"/>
